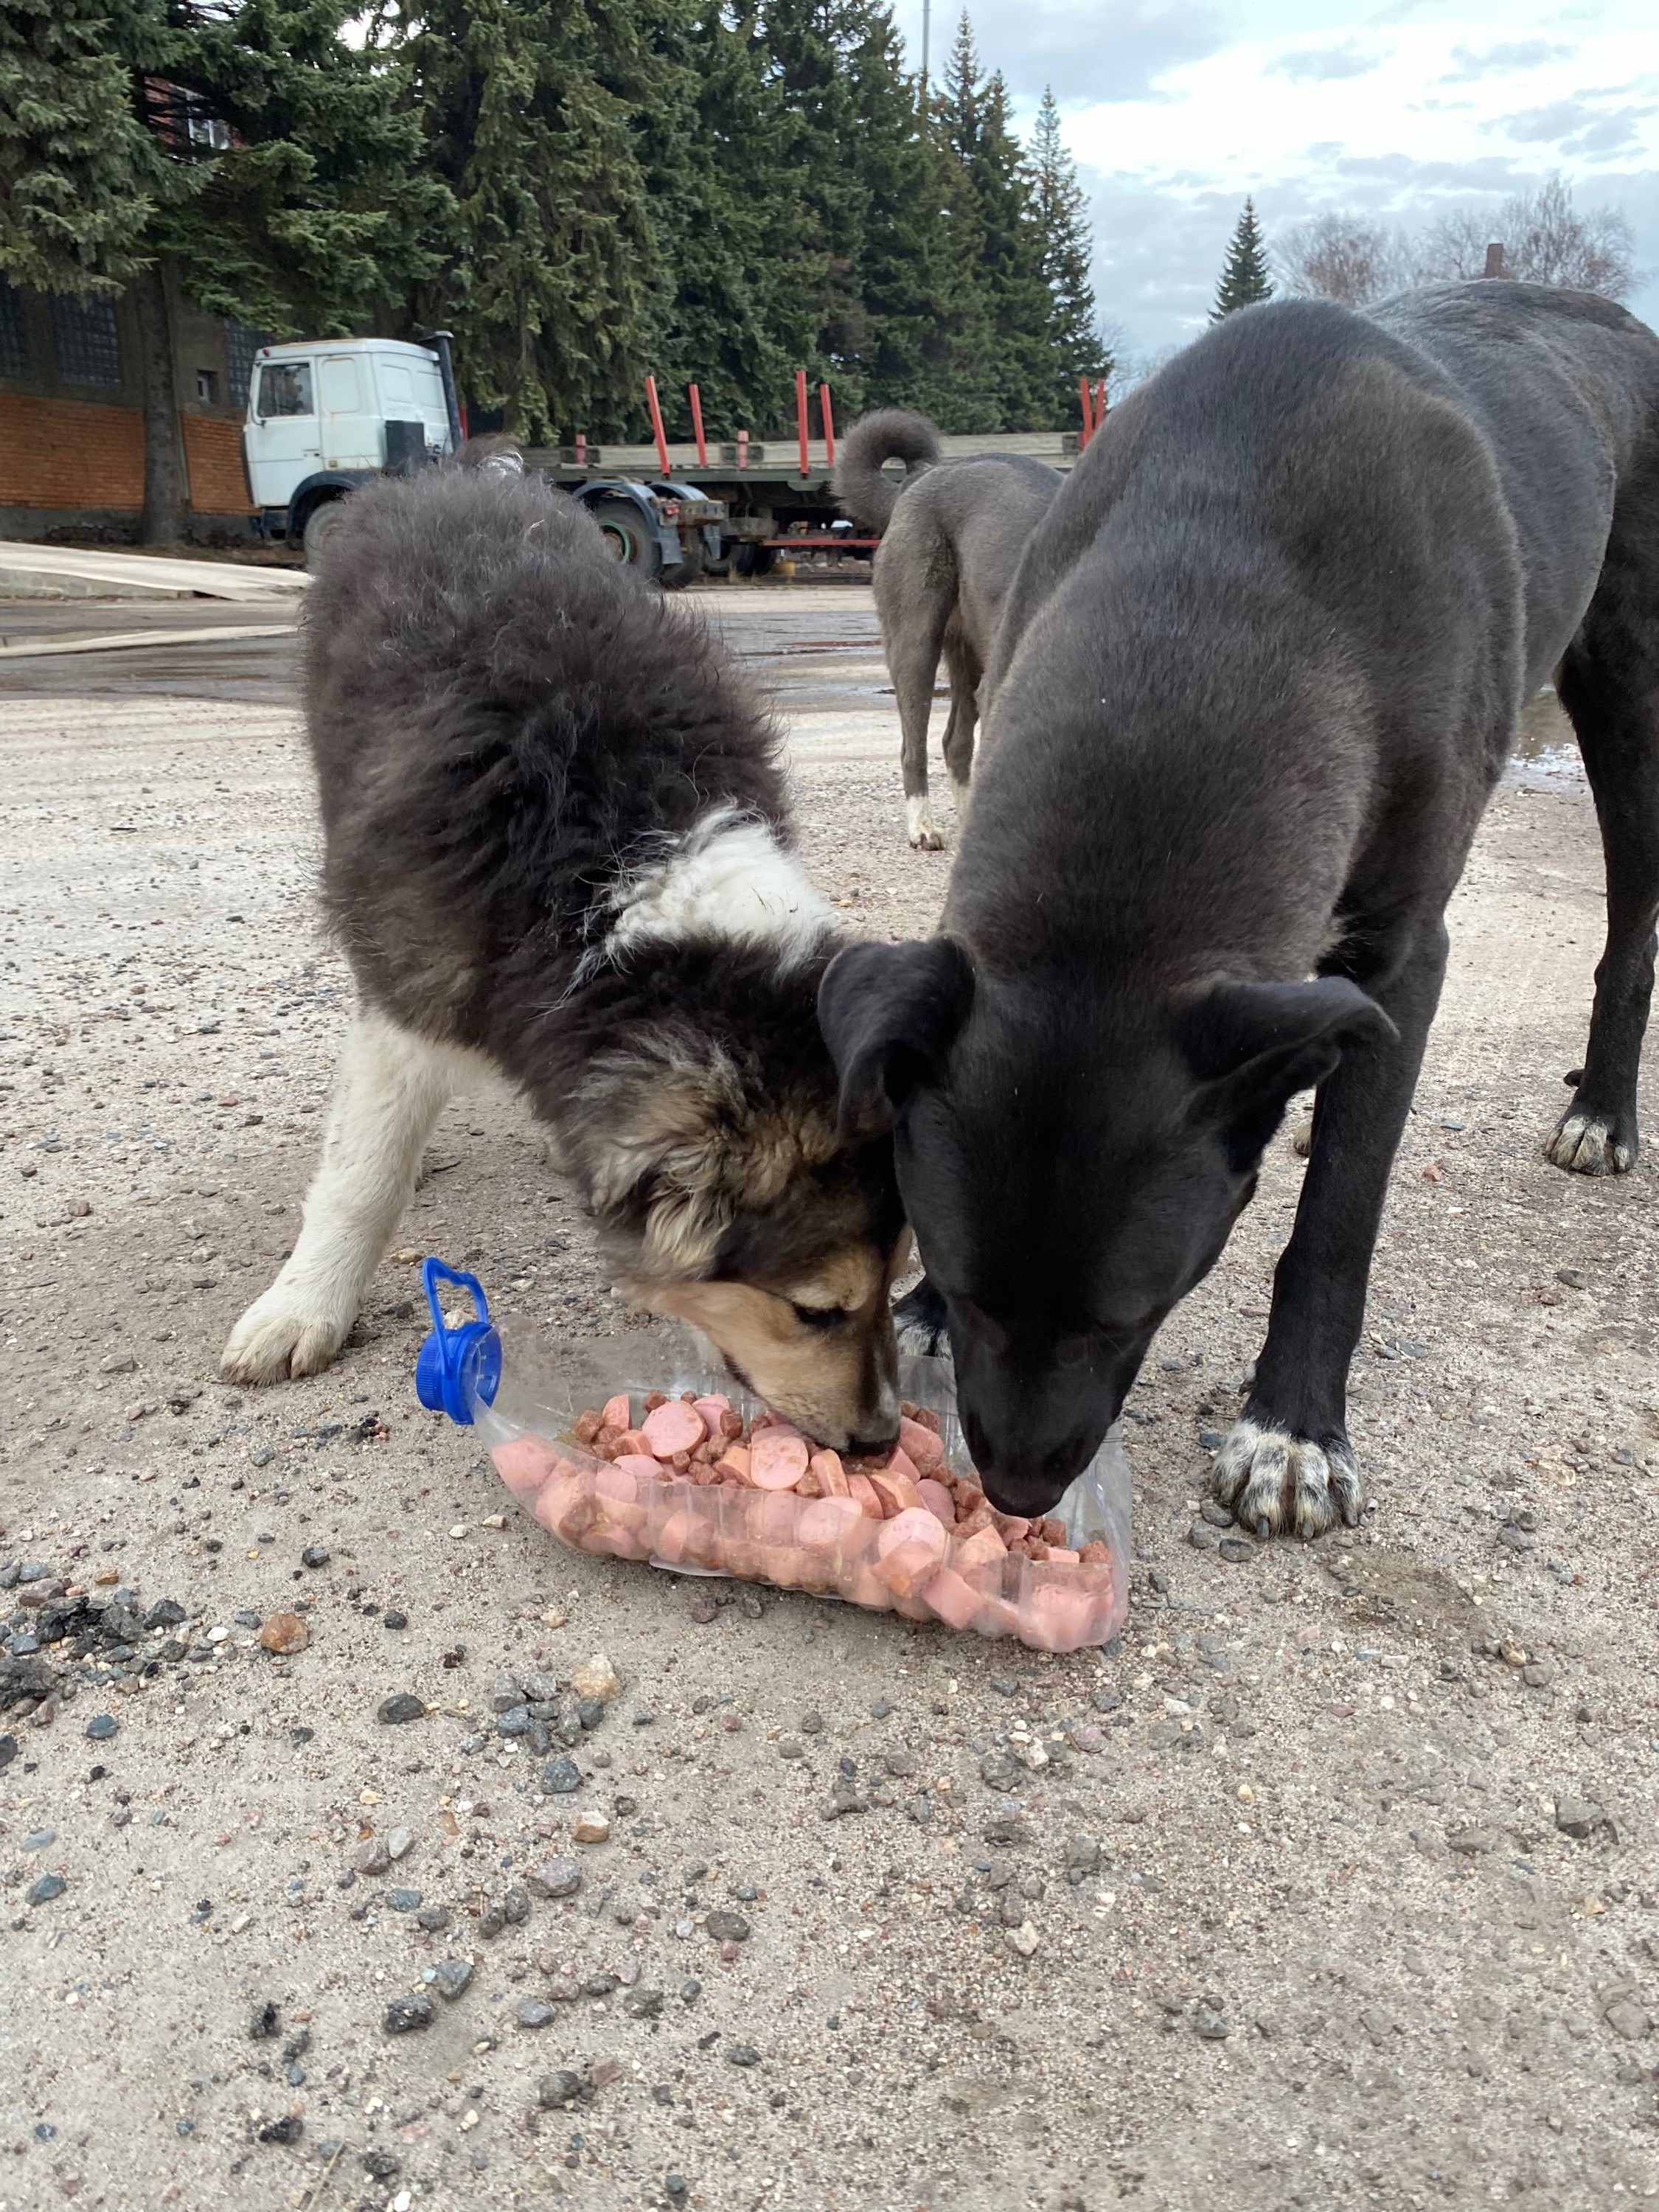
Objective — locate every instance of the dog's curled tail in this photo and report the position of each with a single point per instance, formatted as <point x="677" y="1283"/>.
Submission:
<point x="862" y="484"/>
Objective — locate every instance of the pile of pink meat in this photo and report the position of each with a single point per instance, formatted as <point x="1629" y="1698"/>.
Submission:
<point x="689" y="1485"/>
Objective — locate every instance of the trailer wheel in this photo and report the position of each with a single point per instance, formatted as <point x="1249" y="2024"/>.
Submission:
<point x="324" y="519"/>
<point x="628" y="536"/>
<point x="678" y="574"/>
<point x="748" y="559"/>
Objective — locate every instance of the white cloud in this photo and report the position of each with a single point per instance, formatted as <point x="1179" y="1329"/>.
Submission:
<point x="1175" y="113"/>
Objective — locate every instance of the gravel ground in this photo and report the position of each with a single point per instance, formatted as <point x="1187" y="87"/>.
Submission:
<point x="1334" y="1886"/>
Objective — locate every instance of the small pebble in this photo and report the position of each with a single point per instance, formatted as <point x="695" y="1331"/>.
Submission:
<point x="1578" y="1816"/>
<point x="313" y="1556"/>
<point x="404" y="2014"/>
<point x="43" y="1891"/>
<point x="727" y="1926"/>
<point x="554" y="1878"/>
<point x="395" y="1619"/>
<point x="596" y="1677"/>
<point x="533" y="2012"/>
<point x="284" y="1633"/>
<point x="101" y="1727"/>
<point x="405" y="1706"/>
<point x="560" y="1777"/>
<point x="399" y="1843"/>
<point x="592" y="1828"/>
<point x="555" y="2090"/>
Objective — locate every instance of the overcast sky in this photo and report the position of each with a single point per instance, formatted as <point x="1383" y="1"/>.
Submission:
<point x="1175" y="112"/>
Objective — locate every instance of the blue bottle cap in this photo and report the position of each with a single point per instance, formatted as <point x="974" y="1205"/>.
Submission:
<point x="450" y="1358"/>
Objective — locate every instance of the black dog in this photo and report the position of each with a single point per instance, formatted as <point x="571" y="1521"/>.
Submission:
<point x="1257" y="678"/>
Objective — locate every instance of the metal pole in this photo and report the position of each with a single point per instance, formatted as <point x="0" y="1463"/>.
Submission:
<point x="800" y="420"/>
<point x="656" y="424"/>
<point x="828" y="413"/>
<point x="1084" y="402"/>
<point x="697" y="425"/>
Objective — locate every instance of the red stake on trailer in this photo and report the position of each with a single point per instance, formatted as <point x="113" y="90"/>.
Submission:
<point x="656" y="423"/>
<point x="696" y="424"/>
<point x="581" y="449"/>
<point x="1088" y="429"/>
<point x="1100" y="403"/>
<point x="828" y="413"/>
<point x="743" y="449"/>
<point x="800" y="418"/>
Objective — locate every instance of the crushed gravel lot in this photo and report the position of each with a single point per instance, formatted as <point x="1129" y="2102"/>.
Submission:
<point x="1335" y="1885"/>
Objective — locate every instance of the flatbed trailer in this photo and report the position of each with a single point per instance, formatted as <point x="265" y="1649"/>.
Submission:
<point x="764" y="500"/>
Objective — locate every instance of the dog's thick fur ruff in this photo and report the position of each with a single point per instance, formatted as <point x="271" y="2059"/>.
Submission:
<point x="949" y="547"/>
<point x="557" y="847"/>
<point x="1256" y="679"/>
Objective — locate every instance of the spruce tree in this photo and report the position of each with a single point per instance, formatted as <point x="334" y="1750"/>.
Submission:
<point x="721" y="314"/>
<point x="1062" y="216"/>
<point x="269" y="161"/>
<point x="901" y="271"/>
<point x="1244" y="281"/>
<point x="528" y="108"/>
<point x="1015" y="283"/>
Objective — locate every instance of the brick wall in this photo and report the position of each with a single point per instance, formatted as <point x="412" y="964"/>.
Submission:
<point x="80" y="454"/>
<point x="213" y="454"/>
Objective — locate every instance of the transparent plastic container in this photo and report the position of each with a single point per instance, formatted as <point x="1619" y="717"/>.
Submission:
<point x="524" y="1405"/>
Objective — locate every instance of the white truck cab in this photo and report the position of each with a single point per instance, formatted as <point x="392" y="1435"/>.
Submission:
<point x="325" y="415"/>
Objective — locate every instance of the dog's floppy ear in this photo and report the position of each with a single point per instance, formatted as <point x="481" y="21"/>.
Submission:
<point x="888" y="1013"/>
<point x="1253" y="1045"/>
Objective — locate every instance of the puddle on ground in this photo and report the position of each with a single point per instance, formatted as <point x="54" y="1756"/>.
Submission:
<point x="1546" y="755"/>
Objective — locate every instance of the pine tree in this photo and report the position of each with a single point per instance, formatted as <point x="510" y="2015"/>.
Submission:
<point x="1244" y="281"/>
<point x="528" y="108"/>
<point x="268" y="161"/>
<point x="1017" y="288"/>
<point x="901" y="271"/>
<point x="1062" y="216"/>
<point x="721" y="315"/>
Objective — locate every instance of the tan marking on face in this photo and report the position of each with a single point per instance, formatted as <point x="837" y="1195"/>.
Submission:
<point x="837" y="1383"/>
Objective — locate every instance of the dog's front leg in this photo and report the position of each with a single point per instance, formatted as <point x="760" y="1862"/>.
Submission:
<point x="1288" y="1464"/>
<point x="391" y="1088"/>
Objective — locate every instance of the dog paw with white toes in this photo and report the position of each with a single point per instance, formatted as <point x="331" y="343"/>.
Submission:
<point x="1276" y="1483"/>
<point x="1591" y="1144"/>
<point x="925" y="836"/>
<point x="279" y="1338"/>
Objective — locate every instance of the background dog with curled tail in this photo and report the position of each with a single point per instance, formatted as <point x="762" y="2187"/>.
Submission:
<point x="952" y="533"/>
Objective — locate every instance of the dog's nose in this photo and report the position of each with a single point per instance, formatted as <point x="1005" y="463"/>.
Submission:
<point x="873" y="1447"/>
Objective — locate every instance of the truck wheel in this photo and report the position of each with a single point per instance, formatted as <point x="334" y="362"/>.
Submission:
<point x="628" y="536"/>
<point x="679" y="573"/>
<point x="321" y="523"/>
<point x="752" y="559"/>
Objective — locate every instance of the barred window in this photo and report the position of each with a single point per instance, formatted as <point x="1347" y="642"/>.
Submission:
<point x="242" y="341"/>
<point x="88" y="345"/>
<point x="14" y="332"/>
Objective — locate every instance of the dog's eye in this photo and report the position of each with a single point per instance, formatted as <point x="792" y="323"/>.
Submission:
<point x="816" y="1317"/>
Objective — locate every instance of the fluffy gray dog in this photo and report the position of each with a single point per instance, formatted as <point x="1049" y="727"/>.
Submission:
<point x="952" y="533"/>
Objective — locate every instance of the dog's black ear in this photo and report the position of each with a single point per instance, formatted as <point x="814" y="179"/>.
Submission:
<point x="1253" y="1045"/>
<point x="888" y="1013"/>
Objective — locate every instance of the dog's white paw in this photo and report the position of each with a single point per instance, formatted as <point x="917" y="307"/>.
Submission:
<point x="924" y="836"/>
<point x="282" y="1335"/>
<point x="1277" y="1483"/>
<point x="1590" y="1145"/>
<point x="554" y="1158"/>
<point x="1302" y="1137"/>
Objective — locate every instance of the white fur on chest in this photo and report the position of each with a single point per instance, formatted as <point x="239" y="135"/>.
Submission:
<point x="727" y="879"/>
